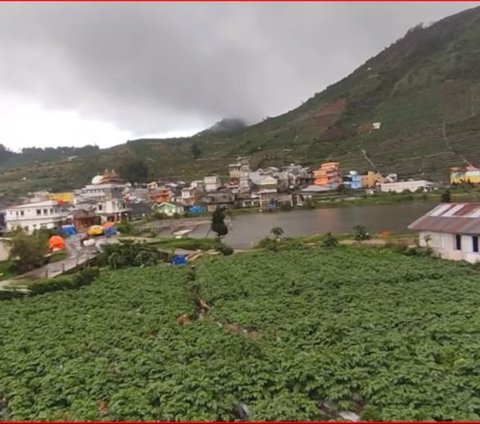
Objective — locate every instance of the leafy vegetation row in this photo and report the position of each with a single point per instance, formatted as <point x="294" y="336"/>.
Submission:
<point x="282" y="335"/>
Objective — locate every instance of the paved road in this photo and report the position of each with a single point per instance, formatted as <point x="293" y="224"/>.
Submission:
<point x="77" y="255"/>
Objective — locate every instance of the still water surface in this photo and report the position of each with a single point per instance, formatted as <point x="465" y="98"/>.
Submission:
<point x="250" y="228"/>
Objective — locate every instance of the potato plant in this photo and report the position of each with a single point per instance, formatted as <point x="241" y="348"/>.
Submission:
<point x="289" y="335"/>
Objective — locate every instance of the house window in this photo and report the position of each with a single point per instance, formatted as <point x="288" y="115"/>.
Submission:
<point x="475" y="243"/>
<point x="45" y="211"/>
<point x="22" y="213"/>
<point x="51" y="211"/>
<point x="458" y="242"/>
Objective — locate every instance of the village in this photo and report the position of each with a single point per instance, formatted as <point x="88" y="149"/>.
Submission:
<point x="108" y="198"/>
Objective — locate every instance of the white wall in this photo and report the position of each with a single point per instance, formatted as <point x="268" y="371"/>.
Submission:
<point x="34" y="216"/>
<point x="401" y="186"/>
<point x="443" y="245"/>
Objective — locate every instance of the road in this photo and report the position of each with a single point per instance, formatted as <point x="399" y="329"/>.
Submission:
<point x="77" y="255"/>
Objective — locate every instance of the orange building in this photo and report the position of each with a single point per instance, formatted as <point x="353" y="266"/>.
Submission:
<point x="160" y="195"/>
<point x="371" y="179"/>
<point x="328" y="175"/>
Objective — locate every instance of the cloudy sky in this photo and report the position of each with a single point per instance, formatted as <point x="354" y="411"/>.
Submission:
<point x="102" y="73"/>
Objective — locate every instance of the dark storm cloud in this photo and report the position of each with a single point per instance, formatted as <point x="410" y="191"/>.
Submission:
<point x="154" y="67"/>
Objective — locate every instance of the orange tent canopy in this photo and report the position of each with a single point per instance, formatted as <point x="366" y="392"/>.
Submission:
<point x="108" y="224"/>
<point x="56" y="243"/>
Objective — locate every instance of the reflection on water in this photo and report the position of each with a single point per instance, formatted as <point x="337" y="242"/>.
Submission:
<point x="247" y="229"/>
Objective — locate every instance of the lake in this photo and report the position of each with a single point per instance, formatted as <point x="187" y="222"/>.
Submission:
<point x="250" y="228"/>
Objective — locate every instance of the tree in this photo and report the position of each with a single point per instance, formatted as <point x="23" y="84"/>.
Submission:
<point x="196" y="152"/>
<point x="446" y="198"/>
<point x="134" y="170"/>
<point x="277" y="232"/>
<point x="28" y="251"/>
<point x="218" y="222"/>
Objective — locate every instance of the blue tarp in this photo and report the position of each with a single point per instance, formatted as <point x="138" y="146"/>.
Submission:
<point x="110" y="231"/>
<point x="196" y="209"/>
<point x="179" y="260"/>
<point x="68" y="230"/>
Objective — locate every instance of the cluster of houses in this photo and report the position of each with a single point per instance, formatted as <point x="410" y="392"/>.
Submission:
<point x="108" y="198"/>
<point x="329" y="176"/>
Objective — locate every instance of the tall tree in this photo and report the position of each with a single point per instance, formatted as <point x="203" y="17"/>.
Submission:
<point x="28" y="251"/>
<point x="218" y="222"/>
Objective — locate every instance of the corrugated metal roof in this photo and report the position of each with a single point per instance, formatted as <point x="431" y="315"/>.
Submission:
<point x="458" y="218"/>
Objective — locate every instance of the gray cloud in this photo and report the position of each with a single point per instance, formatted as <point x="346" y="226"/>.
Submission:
<point x="156" y="67"/>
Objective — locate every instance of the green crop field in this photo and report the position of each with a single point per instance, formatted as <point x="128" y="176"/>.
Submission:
<point x="299" y="334"/>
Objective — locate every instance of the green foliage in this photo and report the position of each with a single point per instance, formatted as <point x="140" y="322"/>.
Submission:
<point x="389" y="337"/>
<point x="8" y="269"/>
<point x="187" y="243"/>
<point x="134" y="170"/>
<point x="218" y="222"/>
<point x="64" y="282"/>
<point x="267" y="243"/>
<point x="127" y="254"/>
<point x="360" y="233"/>
<point x="125" y="227"/>
<point x="224" y="249"/>
<point x="10" y="294"/>
<point x="330" y="240"/>
<point x="28" y="251"/>
<point x="407" y="250"/>
<point x="445" y="197"/>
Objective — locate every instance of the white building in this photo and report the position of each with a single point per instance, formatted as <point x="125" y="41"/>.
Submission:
<point x="106" y="193"/>
<point x="189" y="196"/>
<point x="244" y="183"/>
<point x="452" y="230"/>
<point x="267" y="182"/>
<point x="401" y="186"/>
<point x="212" y="183"/>
<point x="36" y="215"/>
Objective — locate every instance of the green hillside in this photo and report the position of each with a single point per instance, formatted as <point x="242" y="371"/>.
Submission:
<point x="424" y="90"/>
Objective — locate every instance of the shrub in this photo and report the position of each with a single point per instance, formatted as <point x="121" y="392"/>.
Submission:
<point x="10" y="294"/>
<point x="224" y="249"/>
<point x="64" y="282"/>
<point x="124" y="227"/>
<point x="446" y="197"/>
<point x="266" y="243"/>
<point x="127" y="254"/>
<point x="360" y="233"/>
<point x="330" y="240"/>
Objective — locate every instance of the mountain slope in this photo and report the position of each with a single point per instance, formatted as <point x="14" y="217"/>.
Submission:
<point x="424" y="90"/>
